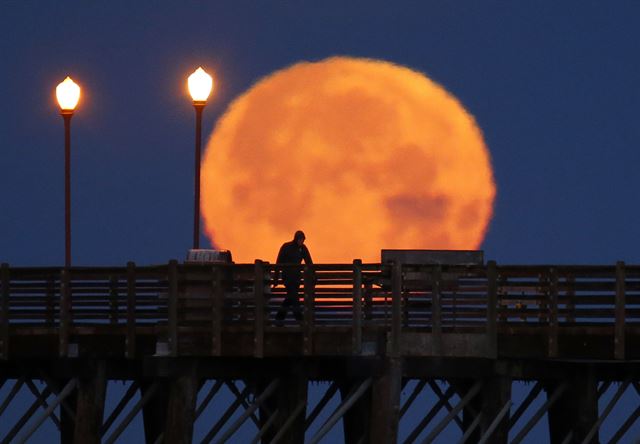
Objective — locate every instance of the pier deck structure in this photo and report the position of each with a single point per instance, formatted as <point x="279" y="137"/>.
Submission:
<point x="407" y="350"/>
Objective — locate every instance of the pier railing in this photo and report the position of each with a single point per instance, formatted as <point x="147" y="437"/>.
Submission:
<point x="368" y="308"/>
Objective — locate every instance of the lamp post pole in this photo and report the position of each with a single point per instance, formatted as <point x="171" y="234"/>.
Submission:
<point x="68" y="94"/>
<point x="200" y="84"/>
<point x="199" y="106"/>
<point x="66" y="115"/>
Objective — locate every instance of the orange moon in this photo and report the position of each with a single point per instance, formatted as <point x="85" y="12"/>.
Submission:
<point x="360" y="154"/>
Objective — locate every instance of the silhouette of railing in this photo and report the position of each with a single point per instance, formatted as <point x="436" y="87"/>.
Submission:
<point x="372" y="308"/>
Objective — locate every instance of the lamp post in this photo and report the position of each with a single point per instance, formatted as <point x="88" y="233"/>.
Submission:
<point x="68" y="94"/>
<point x="200" y="84"/>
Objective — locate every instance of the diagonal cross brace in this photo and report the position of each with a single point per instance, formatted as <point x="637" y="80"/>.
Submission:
<point x="298" y="410"/>
<point x="225" y="416"/>
<point x="533" y="394"/>
<point x="9" y="438"/>
<point x="39" y="395"/>
<point x="539" y="414"/>
<point x="594" y="430"/>
<point x="256" y="439"/>
<point x="328" y="395"/>
<point x="341" y="410"/>
<point x="473" y="391"/>
<point x="494" y="424"/>
<point x="259" y="400"/>
<point x="132" y="414"/>
<point x="438" y="391"/>
<point x="429" y="417"/>
<point x="232" y="387"/>
<point x="414" y="394"/>
<point x="66" y="391"/>
<point x="205" y="402"/>
<point x="14" y="391"/>
<point x="130" y="393"/>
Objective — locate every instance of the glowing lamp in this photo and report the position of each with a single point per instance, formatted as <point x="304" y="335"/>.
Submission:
<point x="68" y="94"/>
<point x="200" y="85"/>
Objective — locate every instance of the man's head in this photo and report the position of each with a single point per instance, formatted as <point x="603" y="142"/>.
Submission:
<point x="299" y="237"/>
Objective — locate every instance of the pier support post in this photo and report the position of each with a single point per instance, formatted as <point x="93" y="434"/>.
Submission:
<point x="471" y="409"/>
<point x="494" y="423"/>
<point x="183" y="393"/>
<point x="385" y="402"/>
<point x="67" y="414"/>
<point x="576" y="410"/>
<point x="92" y="386"/>
<point x="154" y="412"/>
<point x="356" y="420"/>
<point x="290" y="402"/>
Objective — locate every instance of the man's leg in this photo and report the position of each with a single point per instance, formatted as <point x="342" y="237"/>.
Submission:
<point x="294" y="296"/>
<point x="282" y="311"/>
<point x="290" y="300"/>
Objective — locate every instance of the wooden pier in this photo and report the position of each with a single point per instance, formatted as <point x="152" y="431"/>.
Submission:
<point x="379" y="335"/>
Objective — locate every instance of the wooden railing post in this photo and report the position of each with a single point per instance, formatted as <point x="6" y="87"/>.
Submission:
<point x="356" y="338"/>
<point x="5" y="282"/>
<point x="543" y="303"/>
<point x="65" y="312"/>
<point x="492" y="310"/>
<point x="173" y="307"/>
<point x="396" y="309"/>
<point x="619" y="339"/>
<point x="553" y="313"/>
<point x="217" y="296"/>
<point x="258" y="294"/>
<point x="309" y="315"/>
<point x="130" y="341"/>
<point x="436" y="311"/>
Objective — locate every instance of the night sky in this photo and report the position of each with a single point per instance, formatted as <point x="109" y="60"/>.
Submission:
<point x="554" y="86"/>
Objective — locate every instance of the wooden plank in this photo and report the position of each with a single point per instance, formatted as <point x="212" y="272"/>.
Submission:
<point x="173" y="307"/>
<point x="217" y="295"/>
<point x="457" y="345"/>
<point x="130" y="340"/>
<point x="436" y="311"/>
<point x="396" y="307"/>
<point x="356" y="336"/>
<point x="553" y="313"/>
<point x="5" y="282"/>
<point x="492" y="310"/>
<point x="65" y="313"/>
<point x="258" y="292"/>
<point x="619" y="336"/>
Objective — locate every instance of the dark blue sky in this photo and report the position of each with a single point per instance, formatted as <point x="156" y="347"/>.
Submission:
<point x="553" y="85"/>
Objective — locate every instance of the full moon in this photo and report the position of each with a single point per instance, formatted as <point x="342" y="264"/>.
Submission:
<point x="360" y="154"/>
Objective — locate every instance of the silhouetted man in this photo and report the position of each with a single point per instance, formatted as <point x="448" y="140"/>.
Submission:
<point x="293" y="252"/>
